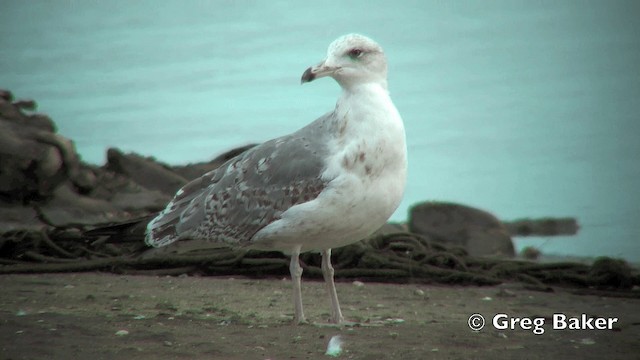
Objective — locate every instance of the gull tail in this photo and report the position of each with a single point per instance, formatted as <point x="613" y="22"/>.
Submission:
<point x="161" y="230"/>
<point x="181" y="216"/>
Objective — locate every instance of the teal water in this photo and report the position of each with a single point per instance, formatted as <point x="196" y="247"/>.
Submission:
<point x="523" y="108"/>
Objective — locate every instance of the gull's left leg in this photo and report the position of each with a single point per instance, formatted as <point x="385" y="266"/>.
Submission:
<point x="327" y="273"/>
<point x="296" y="275"/>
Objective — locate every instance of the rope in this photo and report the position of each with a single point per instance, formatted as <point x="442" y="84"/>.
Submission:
<point x="398" y="258"/>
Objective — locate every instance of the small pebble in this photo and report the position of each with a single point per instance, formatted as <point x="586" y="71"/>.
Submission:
<point x="418" y="292"/>
<point x="505" y="293"/>
<point x="587" y="341"/>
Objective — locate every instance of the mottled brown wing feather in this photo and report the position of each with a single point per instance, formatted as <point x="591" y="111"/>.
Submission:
<point x="248" y="192"/>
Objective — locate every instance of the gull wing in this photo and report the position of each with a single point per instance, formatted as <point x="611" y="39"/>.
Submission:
<point x="248" y="192"/>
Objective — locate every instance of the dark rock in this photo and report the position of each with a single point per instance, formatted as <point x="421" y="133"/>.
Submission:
<point x="68" y="208"/>
<point x="30" y="168"/>
<point x="85" y="179"/>
<point x="143" y="199"/>
<point x="42" y="121"/>
<point x="123" y="193"/>
<point x="530" y="253"/>
<point x="611" y="273"/>
<point x="19" y="218"/>
<point x="145" y="171"/>
<point x="9" y="112"/>
<point x="67" y="151"/>
<point x="391" y="228"/>
<point x="44" y="184"/>
<point x="543" y="227"/>
<point x="25" y="104"/>
<point x="6" y="95"/>
<point x="35" y="160"/>
<point x="478" y="231"/>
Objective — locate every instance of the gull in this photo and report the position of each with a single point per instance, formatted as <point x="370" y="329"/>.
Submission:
<point x="332" y="183"/>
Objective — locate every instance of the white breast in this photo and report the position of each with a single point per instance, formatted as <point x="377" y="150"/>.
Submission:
<point x="366" y="170"/>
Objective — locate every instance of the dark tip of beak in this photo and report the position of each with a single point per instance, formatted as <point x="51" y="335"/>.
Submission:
<point x="308" y="76"/>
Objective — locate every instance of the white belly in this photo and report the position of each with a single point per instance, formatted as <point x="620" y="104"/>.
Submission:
<point x="345" y="213"/>
<point x="357" y="202"/>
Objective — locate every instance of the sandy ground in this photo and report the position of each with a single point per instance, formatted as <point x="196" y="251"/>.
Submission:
<point x="105" y="316"/>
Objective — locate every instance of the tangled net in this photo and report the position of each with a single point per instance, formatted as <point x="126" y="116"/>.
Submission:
<point x="397" y="258"/>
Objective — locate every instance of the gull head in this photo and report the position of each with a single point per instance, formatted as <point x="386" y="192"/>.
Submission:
<point x="352" y="60"/>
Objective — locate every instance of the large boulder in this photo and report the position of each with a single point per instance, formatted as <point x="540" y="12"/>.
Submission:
<point x="478" y="231"/>
<point x="16" y="217"/>
<point x="34" y="159"/>
<point x="45" y="185"/>
<point x="145" y="171"/>
<point x="31" y="156"/>
<point x="67" y="208"/>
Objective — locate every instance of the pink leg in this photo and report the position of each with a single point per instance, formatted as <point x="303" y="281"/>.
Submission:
<point x="296" y="275"/>
<point x="327" y="272"/>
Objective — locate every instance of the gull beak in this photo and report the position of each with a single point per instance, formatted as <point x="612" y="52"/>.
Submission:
<point x="317" y="71"/>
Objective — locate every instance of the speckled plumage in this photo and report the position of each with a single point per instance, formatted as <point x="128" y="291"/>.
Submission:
<point x="233" y="202"/>
<point x="329" y="184"/>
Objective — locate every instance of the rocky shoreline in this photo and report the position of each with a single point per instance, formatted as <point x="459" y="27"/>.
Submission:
<point x="59" y="214"/>
<point x="44" y="186"/>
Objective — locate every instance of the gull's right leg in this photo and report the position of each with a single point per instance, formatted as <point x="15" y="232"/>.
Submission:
<point x="296" y="276"/>
<point x="327" y="272"/>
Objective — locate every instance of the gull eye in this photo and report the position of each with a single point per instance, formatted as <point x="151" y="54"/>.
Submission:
<point x="355" y="53"/>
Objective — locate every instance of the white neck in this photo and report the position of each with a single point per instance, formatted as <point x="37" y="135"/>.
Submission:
<point x="354" y="84"/>
<point x="366" y="101"/>
<point x="367" y="122"/>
